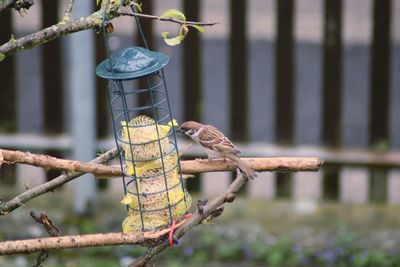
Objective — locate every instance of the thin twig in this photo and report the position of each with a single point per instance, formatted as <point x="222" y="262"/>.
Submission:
<point x="17" y="4"/>
<point x="6" y="5"/>
<point x="183" y="151"/>
<point x="43" y="255"/>
<point x="6" y="207"/>
<point x="78" y="169"/>
<point x="68" y="10"/>
<point x="178" y="21"/>
<point x="51" y="229"/>
<point x="44" y="220"/>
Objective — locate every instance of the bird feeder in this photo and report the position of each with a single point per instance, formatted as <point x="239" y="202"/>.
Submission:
<point x="145" y="136"/>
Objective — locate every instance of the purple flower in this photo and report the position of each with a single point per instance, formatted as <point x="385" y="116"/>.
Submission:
<point x="188" y="251"/>
<point x="247" y="253"/>
<point x="330" y="256"/>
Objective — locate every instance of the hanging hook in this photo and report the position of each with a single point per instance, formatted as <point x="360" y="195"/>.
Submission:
<point x="105" y="33"/>
<point x="140" y="28"/>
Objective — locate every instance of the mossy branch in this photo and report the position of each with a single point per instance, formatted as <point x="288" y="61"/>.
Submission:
<point x="18" y="5"/>
<point x="69" y="25"/>
<point x="48" y="34"/>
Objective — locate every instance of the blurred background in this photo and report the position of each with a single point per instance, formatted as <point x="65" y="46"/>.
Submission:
<point x="280" y="78"/>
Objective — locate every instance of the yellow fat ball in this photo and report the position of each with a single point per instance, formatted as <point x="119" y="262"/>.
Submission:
<point x="150" y="157"/>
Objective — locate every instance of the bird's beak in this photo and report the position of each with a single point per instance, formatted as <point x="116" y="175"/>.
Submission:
<point x="179" y="130"/>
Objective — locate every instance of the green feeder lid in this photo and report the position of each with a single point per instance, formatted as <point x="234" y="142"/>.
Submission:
<point x="131" y="62"/>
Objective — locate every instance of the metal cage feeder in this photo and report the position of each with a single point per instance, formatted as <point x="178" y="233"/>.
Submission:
<point x="145" y="136"/>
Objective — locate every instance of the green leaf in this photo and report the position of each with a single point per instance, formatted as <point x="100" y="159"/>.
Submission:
<point x="164" y="34"/>
<point x="197" y="27"/>
<point x="177" y="39"/>
<point x="174" y="40"/>
<point x="2" y="57"/>
<point x="173" y="13"/>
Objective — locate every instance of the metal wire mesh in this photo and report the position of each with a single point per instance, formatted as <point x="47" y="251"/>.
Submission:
<point x="145" y="136"/>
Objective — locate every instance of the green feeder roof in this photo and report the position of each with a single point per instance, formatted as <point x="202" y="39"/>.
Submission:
<point x="130" y="63"/>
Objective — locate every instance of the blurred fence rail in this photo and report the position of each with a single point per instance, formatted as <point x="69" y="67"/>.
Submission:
<point x="314" y="77"/>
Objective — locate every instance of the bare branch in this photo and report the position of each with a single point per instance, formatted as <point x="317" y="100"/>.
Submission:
<point x="187" y="166"/>
<point x="51" y="229"/>
<point x="73" y="241"/>
<point x="19" y="200"/>
<point x="50" y="33"/>
<point x="17" y="4"/>
<point x="76" y="169"/>
<point x="79" y="241"/>
<point x="6" y="5"/>
<point x="206" y="211"/>
<point x="68" y="10"/>
<point x="152" y="17"/>
<point x="49" y="162"/>
<point x="40" y="259"/>
<point x="68" y="26"/>
<point x="257" y="164"/>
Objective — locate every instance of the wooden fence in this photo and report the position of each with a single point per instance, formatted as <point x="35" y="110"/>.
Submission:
<point x="313" y="77"/>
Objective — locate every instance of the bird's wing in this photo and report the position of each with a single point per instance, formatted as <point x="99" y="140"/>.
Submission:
<point x="211" y="138"/>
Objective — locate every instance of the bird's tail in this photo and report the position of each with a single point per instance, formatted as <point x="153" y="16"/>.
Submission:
<point x="243" y="167"/>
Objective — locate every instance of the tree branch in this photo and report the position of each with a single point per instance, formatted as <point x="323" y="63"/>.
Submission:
<point x="49" y="162"/>
<point x="204" y="212"/>
<point x="19" y="200"/>
<point x="68" y="10"/>
<point x="6" y="5"/>
<point x="17" y="4"/>
<point x="187" y="166"/>
<point x="50" y="33"/>
<point x="177" y="21"/>
<point x="79" y="241"/>
<point x="257" y="164"/>
<point x="67" y="26"/>
<point x="44" y="220"/>
<point x="76" y="169"/>
<point x="43" y="255"/>
<point x="73" y="241"/>
<point x="51" y="229"/>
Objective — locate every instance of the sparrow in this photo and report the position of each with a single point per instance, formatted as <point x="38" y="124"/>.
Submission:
<point x="216" y="144"/>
